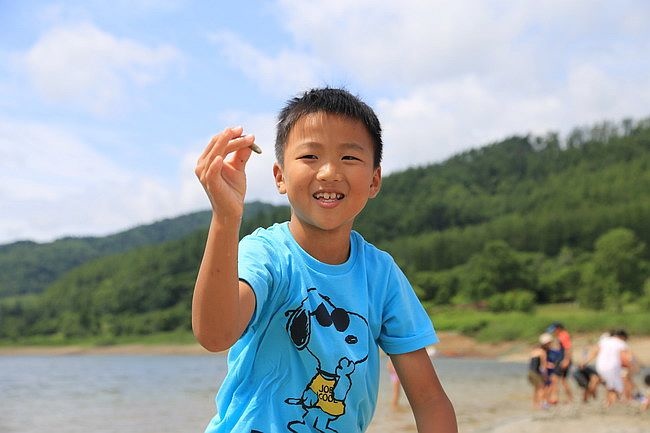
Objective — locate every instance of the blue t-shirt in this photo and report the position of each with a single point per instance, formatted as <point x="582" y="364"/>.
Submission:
<point x="310" y="354"/>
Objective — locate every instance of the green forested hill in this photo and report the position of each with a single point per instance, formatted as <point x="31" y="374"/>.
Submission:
<point x="524" y="221"/>
<point x="521" y="176"/>
<point x="28" y="267"/>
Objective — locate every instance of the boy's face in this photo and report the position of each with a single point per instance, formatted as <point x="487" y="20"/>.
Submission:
<point x="328" y="171"/>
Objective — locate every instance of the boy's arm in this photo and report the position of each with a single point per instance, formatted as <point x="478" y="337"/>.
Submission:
<point x="222" y="306"/>
<point x="543" y="361"/>
<point x="432" y="408"/>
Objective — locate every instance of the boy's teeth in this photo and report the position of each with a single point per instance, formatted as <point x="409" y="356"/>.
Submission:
<point x="328" y="195"/>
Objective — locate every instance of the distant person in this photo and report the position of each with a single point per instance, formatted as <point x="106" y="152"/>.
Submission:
<point x="538" y="371"/>
<point x="608" y="355"/>
<point x="553" y="358"/>
<point x="304" y="306"/>
<point x="630" y="367"/>
<point x="559" y="377"/>
<point x="587" y="377"/>
<point x="645" y="397"/>
<point x="396" y="386"/>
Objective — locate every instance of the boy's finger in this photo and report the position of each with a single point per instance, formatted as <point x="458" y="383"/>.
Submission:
<point x="240" y="158"/>
<point x="241" y="142"/>
<point x="229" y="142"/>
<point x="213" y="171"/>
<point x="204" y="170"/>
<point x="217" y="144"/>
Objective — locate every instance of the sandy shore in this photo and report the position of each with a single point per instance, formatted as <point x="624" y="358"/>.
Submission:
<point x="482" y="411"/>
<point x="458" y="345"/>
<point x="451" y="345"/>
<point x="487" y="406"/>
<point x="122" y="349"/>
<point x="492" y="406"/>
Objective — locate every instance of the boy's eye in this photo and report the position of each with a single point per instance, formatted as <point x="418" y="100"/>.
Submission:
<point x="307" y="157"/>
<point x="350" y="158"/>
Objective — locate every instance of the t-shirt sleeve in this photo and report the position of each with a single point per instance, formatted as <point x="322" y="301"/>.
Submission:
<point x="406" y="326"/>
<point x="257" y="267"/>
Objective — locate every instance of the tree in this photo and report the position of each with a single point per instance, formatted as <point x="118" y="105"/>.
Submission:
<point x="618" y="262"/>
<point x="497" y="269"/>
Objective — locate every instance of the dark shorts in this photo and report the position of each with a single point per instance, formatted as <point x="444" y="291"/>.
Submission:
<point x="583" y="376"/>
<point x="562" y="372"/>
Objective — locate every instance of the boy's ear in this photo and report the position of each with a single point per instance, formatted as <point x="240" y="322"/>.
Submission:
<point x="375" y="186"/>
<point x="279" y="178"/>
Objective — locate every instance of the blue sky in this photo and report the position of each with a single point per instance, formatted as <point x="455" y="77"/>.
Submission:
<point x="105" y="106"/>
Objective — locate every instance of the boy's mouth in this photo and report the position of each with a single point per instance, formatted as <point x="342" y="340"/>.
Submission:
<point x="328" y="196"/>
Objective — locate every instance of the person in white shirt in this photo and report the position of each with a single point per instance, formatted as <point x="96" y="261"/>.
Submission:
<point x="609" y="354"/>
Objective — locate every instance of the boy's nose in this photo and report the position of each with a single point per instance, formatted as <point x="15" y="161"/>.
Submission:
<point x="328" y="171"/>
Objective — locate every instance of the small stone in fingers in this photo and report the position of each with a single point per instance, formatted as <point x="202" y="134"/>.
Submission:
<point x="255" y="148"/>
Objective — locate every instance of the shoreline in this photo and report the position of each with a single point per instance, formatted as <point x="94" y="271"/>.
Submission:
<point x="116" y="349"/>
<point x="451" y="345"/>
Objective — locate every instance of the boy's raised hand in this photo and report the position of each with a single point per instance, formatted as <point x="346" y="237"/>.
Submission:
<point x="220" y="170"/>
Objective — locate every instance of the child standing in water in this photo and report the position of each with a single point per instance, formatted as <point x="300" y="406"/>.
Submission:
<point x="304" y="306"/>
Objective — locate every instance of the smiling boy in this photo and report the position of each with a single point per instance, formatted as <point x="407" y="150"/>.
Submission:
<point x="304" y="306"/>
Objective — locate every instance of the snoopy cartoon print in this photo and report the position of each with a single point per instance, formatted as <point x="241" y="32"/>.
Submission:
<point x="337" y="339"/>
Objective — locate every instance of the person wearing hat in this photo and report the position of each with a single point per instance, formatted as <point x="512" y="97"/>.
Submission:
<point x="537" y="372"/>
<point x="561" y="371"/>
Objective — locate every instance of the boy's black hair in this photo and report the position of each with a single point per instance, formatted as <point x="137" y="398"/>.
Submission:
<point x="331" y="101"/>
<point x="646" y="379"/>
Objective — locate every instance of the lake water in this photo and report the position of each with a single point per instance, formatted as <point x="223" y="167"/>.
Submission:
<point x="163" y="393"/>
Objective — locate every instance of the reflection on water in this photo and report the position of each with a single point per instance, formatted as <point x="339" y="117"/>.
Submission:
<point x="162" y="393"/>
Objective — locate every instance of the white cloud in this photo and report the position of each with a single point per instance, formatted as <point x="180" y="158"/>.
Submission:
<point x="403" y="43"/>
<point x="86" y="67"/>
<point x="436" y="121"/>
<point x="53" y="183"/>
<point x="467" y="73"/>
<point x="415" y="42"/>
<point x="443" y="77"/>
<point x="277" y="74"/>
<point x="259" y="169"/>
<point x="593" y="93"/>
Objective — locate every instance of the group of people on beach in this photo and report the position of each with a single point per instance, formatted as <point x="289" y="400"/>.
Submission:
<point x="551" y="368"/>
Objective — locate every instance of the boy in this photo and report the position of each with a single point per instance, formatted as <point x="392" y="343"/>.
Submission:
<point x="303" y="306"/>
